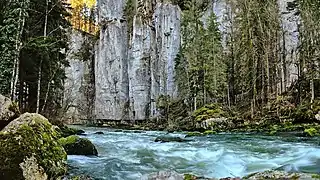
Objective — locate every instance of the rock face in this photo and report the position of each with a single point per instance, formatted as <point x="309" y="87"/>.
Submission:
<point x="111" y="64"/>
<point x="8" y="111"/>
<point x="131" y="73"/>
<point x="29" y="148"/>
<point x="79" y="86"/>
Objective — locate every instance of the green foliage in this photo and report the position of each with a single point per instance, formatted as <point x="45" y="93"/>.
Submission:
<point x="311" y="132"/>
<point x="129" y="12"/>
<point x="12" y="15"/>
<point x="208" y="111"/>
<point x="209" y="132"/>
<point x="316" y="176"/>
<point x="191" y="134"/>
<point x="31" y="135"/>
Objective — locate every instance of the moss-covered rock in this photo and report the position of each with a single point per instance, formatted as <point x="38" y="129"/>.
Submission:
<point x="272" y="174"/>
<point x="75" y="145"/>
<point x="8" y="111"/>
<point x="209" y="132"/>
<point x="191" y="134"/>
<point x="66" y="131"/>
<point x="311" y="132"/>
<point x="80" y="177"/>
<point x="208" y="111"/>
<point x="164" y="139"/>
<point x="30" y="139"/>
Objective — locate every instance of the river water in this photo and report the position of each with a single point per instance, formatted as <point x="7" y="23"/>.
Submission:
<point x="129" y="155"/>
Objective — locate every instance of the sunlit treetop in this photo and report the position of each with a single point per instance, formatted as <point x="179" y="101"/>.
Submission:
<point x="77" y="3"/>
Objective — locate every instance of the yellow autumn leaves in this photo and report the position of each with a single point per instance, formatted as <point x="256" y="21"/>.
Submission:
<point x="83" y="17"/>
<point x="77" y="3"/>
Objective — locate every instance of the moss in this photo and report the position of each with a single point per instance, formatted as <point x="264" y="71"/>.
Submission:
<point x="189" y="177"/>
<point x="75" y="145"/>
<point x="208" y="111"/>
<point x="316" y="176"/>
<point x="209" y="132"/>
<point x="30" y="135"/>
<point x="311" y="132"/>
<point x="191" y="134"/>
<point x="66" y="131"/>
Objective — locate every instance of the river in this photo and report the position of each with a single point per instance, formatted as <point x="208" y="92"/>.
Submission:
<point x="128" y="155"/>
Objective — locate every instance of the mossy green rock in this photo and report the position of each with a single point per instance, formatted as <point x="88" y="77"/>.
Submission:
<point x="75" y="145"/>
<point x="273" y="174"/>
<point x="191" y="134"/>
<point x="311" y="132"/>
<point x="164" y="139"/>
<point x="66" y="131"/>
<point x="28" y="137"/>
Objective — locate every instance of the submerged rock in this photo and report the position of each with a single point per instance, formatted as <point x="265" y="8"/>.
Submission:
<point x="164" y="139"/>
<point x="75" y="145"/>
<point x="29" y="150"/>
<point x="99" y="132"/>
<point x="8" y="111"/>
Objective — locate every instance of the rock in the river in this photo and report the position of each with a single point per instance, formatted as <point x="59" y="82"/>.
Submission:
<point x="79" y="177"/>
<point x="68" y="131"/>
<point x="279" y="175"/>
<point x="170" y="139"/>
<point x="29" y="149"/>
<point x="164" y="175"/>
<point x="99" y="132"/>
<point x="75" y="145"/>
<point x="8" y="111"/>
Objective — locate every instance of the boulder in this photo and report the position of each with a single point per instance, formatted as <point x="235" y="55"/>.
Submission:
<point x="29" y="149"/>
<point x="273" y="174"/>
<point x="164" y="175"/>
<point x="8" y="111"/>
<point x="78" y="177"/>
<point x="164" y="139"/>
<point x="99" y="132"/>
<point x="66" y="131"/>
<point x="75" y="145"/>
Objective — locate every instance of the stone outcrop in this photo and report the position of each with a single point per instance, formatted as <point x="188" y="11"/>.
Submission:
<point x="8" y="111"/>
<point x="29" y="149"/>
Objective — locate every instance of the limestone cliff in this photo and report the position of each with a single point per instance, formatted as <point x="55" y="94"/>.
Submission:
<point x="132" y="67"/>
<point x="79" y="85"/>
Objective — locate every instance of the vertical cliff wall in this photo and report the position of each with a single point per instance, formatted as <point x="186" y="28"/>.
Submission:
<point x="79" y="86"/>
<point x="289" y="41"/>
<point x="131" y="74"/>
<point x="111" y="65"/>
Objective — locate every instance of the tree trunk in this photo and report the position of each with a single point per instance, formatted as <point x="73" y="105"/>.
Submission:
<point x="40" y="66"/>
<point x="15" y="71"/>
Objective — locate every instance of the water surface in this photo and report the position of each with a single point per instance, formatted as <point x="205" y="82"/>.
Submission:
<point x="129" y="155"/>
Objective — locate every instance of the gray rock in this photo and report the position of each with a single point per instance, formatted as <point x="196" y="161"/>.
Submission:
<point x="8" y="111"/>
<point x="164" y="139"/>
<point x="164" y="175"/>
<point x="278" y="175"/>
<point x="131" y="73"/>
<point x="79" y="83"/>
